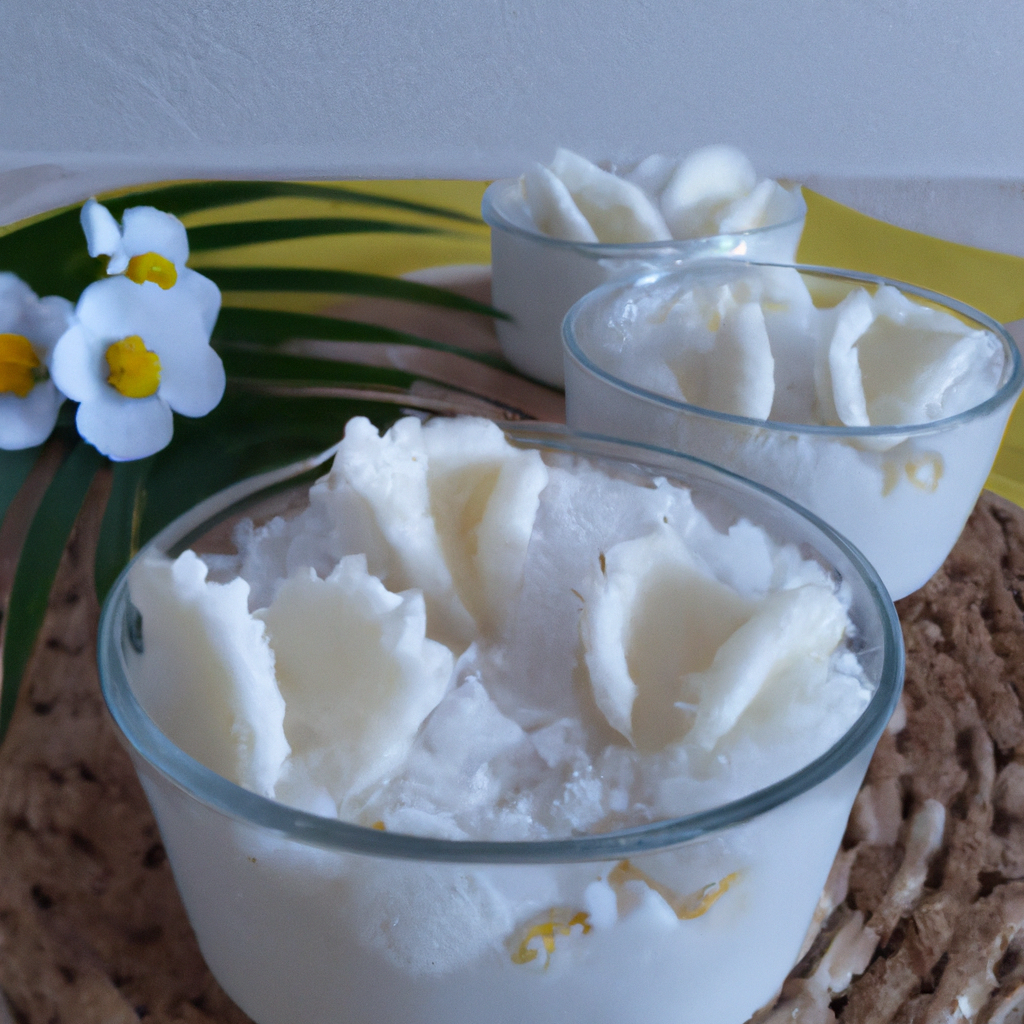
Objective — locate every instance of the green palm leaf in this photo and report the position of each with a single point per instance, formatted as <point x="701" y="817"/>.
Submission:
<point x="193" y="196"/>
<point x="118" y="539"/>
<point x="344" y="282"/>
<point x="274" y="326"/>
<point x="14" y="470"/>
<point x="50" y="256"/>
<point x="248" y="232"/>
<point x="38" y="564"/>
<point x="259" y="364"/>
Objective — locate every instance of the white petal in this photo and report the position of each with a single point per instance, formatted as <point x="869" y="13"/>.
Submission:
<point x="125" y="428"/>
<point x="15" y="296"/>
<point x="48" y="319"/>
<point x="78" y="365"/>
<point x="203" y="293"/>
<point x="26" y="422"/>
<point x="196" y="388"/>
<point x="103" y="235"/>
<point x="111" y="308"/>
<point x="705" y="181"/>
<point x="617" y="210"/>
<point x="553" y="209"/>
<point x="147" y="229"/>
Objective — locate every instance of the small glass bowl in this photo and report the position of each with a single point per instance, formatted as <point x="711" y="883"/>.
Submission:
<point x="304" y="918"/>
<point x="536" y="278"/>
<point x="901" y="494"/>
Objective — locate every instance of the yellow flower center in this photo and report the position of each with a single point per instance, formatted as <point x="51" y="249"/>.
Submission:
<point x="151" y="266"/>
<point x="20" y="369"/>
<point x="134" y="370"/>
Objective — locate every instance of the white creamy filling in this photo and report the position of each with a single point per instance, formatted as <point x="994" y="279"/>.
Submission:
<point x="626" y="661"/>
<point x="712" y="191"/>
<point x="529" y="647"/>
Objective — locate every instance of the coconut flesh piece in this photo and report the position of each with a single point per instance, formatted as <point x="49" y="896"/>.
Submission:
<point x="712" y="191"/>
<point x="890" y="361"/>
<point x="552" y="207"/>
<point x="362" y="656"/>
<point x="217" y="694"/>
<point x="485" y="765"/>
<point x="767" y="203"/>
<point x="707" y="182"/>
<point x="357" y="673"/>
<point x="454" y="506"/>
<point x="756" y="346"/>
<point x="673" y="653"/>
<point x="616" y="209"/>
<point x="726" y="363"/>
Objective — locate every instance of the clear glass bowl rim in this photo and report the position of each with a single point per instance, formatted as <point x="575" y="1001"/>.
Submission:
<point x="1008" y="389"/>
<point x="141" y="734"/>
<point x="679" y="247"/>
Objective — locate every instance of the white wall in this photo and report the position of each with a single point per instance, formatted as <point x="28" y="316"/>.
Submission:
<point x="123" y="90"/>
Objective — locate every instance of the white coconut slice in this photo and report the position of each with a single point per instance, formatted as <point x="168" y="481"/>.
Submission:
<point x="390" y="474"/>
<point x="651" y="618"/>
<point x="484" y="495"/>
<point x="616" y="209"/>
<point x="842" y="385"/>
<point x="761" y="207"/>
<point x="705" y="182"/>
<point x="552" y="207"/>
<point x="357" y="672"/>
<point x="741" y="371"/>
<point x="207" y="678"/>
<point x="786" y="643"/>
<point x="652" y="174"/>
<point x="920" y="364"/>
<point x="891" y="361"/>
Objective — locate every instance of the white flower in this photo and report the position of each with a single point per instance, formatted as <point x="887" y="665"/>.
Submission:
<point x="150" y="248"/>
<point x="29" y="328"/>
<point x="140" y="343"/>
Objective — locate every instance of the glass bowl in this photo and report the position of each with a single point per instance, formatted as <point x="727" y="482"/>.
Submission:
<point x="901" y="494"/>
<point x="304" y="918"/>
<point x="536" y="278"/>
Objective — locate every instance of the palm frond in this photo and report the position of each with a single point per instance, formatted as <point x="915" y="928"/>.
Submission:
<point x="249" y="232"/>
<point x="273" y="326"/>
<point x="119" y="532"/>
<point x="193" y="196"/>
<point x="14" y="470"/>
<point x="342" y="282"/>
<point x="37" y="567"/>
